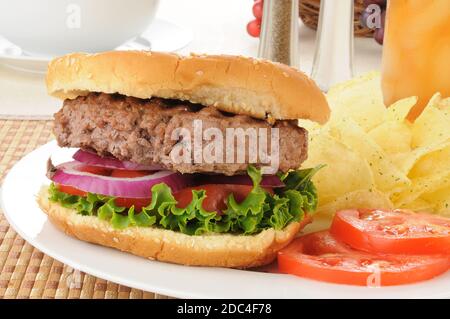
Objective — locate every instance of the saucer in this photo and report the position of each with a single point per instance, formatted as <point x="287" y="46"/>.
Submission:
<point x="161" y="35"/>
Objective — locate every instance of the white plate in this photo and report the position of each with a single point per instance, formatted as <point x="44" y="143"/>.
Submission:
<point x="162" y="35"/>
<point x="18" y="201"/>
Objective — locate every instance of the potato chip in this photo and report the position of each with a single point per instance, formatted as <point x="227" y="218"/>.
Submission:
<point x="422" y="185"/>
<point x="443" y="104"/>
<point x="432" y="126"/>
<point x="440" y="200"/>
<point x="319" y="222"/>
<point x="420" y="205"/>
<point x="392" y="137"/>
<point x="398" y="111"/>
<point x="436" y="161"/>
<point x="386" y="175"/>
<point x="369" y="198"/>
<point x="376" y="158"/>
<point x="360" y="99"/>
<point x="345" y="170"/>
<point x="405" y="161"/>
<point x="310" y="126"/>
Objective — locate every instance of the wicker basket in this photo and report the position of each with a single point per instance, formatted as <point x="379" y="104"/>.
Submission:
<point x="309" y="13"/>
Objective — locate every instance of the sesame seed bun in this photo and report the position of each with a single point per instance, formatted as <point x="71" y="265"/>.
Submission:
<point x="240" y="85"/>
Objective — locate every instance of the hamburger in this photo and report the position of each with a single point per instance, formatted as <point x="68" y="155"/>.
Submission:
<point x="191" y="160"/>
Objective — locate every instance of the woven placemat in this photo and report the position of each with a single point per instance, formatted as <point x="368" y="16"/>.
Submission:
<point x="25" y="272"/>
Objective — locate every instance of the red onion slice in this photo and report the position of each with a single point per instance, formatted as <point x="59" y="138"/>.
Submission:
<point x="272" y="181"/>
<point x="138" y="187"/>
<point x="90" y="158"/>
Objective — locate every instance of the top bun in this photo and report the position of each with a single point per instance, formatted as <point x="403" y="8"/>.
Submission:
<point x="240" y="85"/>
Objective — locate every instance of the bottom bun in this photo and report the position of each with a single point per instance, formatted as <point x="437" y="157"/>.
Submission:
<point x="221" y="250"/>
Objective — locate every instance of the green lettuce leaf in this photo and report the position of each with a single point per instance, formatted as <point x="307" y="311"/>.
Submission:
<point x="258" y="211"/>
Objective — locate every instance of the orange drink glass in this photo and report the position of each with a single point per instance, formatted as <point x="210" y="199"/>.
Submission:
<point x="416" y="51"/>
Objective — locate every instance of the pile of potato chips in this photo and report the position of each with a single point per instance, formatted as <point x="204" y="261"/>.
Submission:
<point x="377" y="159"/>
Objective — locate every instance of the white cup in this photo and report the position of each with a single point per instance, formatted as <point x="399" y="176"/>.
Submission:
<point x="57" y="27"/>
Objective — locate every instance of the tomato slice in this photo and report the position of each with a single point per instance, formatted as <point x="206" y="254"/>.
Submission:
<point x="103" y="171"/>
<point x="70" y="190"/>
<point x="397" y="231"/>
<point x="122" y="173"/>
<point x="120" y="201"/>
<point x="321" y="257"/>
<point x="138" y="203"/>
<point x="216" y="195"/>
<point x="322" y="242"/>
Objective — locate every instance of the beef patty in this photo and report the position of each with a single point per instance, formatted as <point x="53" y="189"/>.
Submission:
<point x="142" y="131"/>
